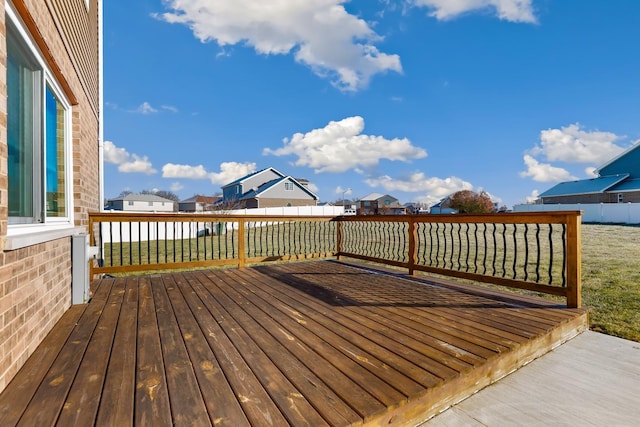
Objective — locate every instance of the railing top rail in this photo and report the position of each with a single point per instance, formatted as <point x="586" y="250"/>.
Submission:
<point x="184" y="217"/>
<point x="557" y="217"/>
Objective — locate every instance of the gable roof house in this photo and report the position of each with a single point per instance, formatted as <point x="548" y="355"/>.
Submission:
<point x="380" y="204"/>
<point x="51" y="173"/>
<point x="198" y="204"/>
<point x="618" y="181"/>
<point x="267" y="188"/>
<point x="141" y="203"/>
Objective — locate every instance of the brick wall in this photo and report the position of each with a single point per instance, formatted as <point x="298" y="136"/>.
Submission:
<point x="35" y="284"/>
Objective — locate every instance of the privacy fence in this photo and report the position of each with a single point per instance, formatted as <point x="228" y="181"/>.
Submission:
<point x="533" y="251"/>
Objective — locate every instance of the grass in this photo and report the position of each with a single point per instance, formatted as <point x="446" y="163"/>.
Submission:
<point x="611" y="278"/>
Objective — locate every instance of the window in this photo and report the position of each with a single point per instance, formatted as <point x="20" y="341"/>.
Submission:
<point x="288" y="186"/>
<point x="38" y="143"/>
<point x="620" y="197"/>
<point x="150" y="203"/>
<point x="367" y="203"/>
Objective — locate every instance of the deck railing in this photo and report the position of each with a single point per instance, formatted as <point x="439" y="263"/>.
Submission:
<point x="533" y="251"/>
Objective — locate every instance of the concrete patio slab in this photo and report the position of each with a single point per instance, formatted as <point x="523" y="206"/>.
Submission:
<point x="592" y="380"/>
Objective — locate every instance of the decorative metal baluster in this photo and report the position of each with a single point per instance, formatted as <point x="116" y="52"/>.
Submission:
<point x="564" y="255"/>
<point x="504" y="250"/>
<point x="459" y="246"/>
<point x="515" y="251"/>
<point x="166" y="243"/>
<point x="485" y="248"/>
<point x="475" y="241"/>
<point x="149" y="242"/>
<point x="526" y="252"/>
<point x="468" y="249"/>
<point x="495" y="250"/>
<point x="537" y="253"/>
<point x="438" y="245"/>
<point x="452" y="246"/>
<point x="233" y="241"/>
<point x="550" y="254"/>
<point x="121" y="225"/>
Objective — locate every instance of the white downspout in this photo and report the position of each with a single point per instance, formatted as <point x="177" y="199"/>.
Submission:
<point x="101" y="104"/>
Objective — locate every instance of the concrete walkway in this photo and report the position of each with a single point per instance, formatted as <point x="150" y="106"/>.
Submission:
<point x="592" y="380"/>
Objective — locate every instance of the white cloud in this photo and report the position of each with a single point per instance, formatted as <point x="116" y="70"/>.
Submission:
<point x="170" y="108"/>
<point x="313" y="188"/>
<point x="535" y="194"/>
<point x="574" y="145"/>
<point x="171" y="170"/>
<point x="340" y="190"/>
<point x="590" y="172"/>
<point x="113" y="154"/>
<point x="320" y="34"/>
<point x="508" y="10"/>
<point x="544" y="172"/>
<point x="341" y="146"/>
<point x="146" y="108"/>
<point x="127" y="163"/>
<point x="229" y="171"/>
<point x="139" y="164"/>
<point x="436" y="188"/>
<point x="176" y="186"/>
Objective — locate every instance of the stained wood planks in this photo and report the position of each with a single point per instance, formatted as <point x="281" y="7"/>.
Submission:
<point x="314" y="343"/>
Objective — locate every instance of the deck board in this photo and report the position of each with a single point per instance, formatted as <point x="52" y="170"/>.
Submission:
<point x="310" y="343"/>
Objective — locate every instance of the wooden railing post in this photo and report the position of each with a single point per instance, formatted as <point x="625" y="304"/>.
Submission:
<point x="413" y="247"/>
<point x="574" y="260"/>
<point x="241" y="246"/>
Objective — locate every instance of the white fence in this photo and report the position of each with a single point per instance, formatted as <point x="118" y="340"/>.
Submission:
<point x="142" y="231"/>
<point x="618" y="213"/>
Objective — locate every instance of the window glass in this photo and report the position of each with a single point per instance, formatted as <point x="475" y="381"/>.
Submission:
<point x="55" y="155"/>
<point x="22" y="94"/>
<point x="37" y="140"/>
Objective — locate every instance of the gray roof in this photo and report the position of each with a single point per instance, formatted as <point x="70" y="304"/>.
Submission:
<point x="141" y="198"/>
<point x="584" y="186"/>
<point x="239" y="180"/>
<point x="264" y="187"/>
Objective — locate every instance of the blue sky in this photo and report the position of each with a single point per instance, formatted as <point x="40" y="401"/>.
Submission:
<point x="414" y="98"/>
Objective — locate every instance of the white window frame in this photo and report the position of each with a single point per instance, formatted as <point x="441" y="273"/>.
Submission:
<point x="47" y="222"/>
<point x="288" y="186"/>
<point x="620" y="198"/>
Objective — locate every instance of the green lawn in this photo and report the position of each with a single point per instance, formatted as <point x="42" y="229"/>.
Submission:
<point x="611" y="278"/>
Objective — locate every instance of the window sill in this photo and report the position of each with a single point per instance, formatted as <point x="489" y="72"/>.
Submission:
<point x="29" y="236"/>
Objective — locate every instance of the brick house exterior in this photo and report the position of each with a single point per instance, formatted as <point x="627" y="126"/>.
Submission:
<point x="380" y="204"/>
<point x="50" y="170"/>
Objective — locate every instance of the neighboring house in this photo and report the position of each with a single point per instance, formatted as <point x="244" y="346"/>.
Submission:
<point x="140" y="203"/>
<point x="267" y="188"/>
<point x="380" y="204"/>
<point x="443" y="207"/>
<point x="50" y="150"/>
<point x="618" y="181"/>
<point x="198" y="204"/>
<point x="416" y="208"/>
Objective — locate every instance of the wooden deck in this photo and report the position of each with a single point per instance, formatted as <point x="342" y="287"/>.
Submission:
<point x="311" y="343"/>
